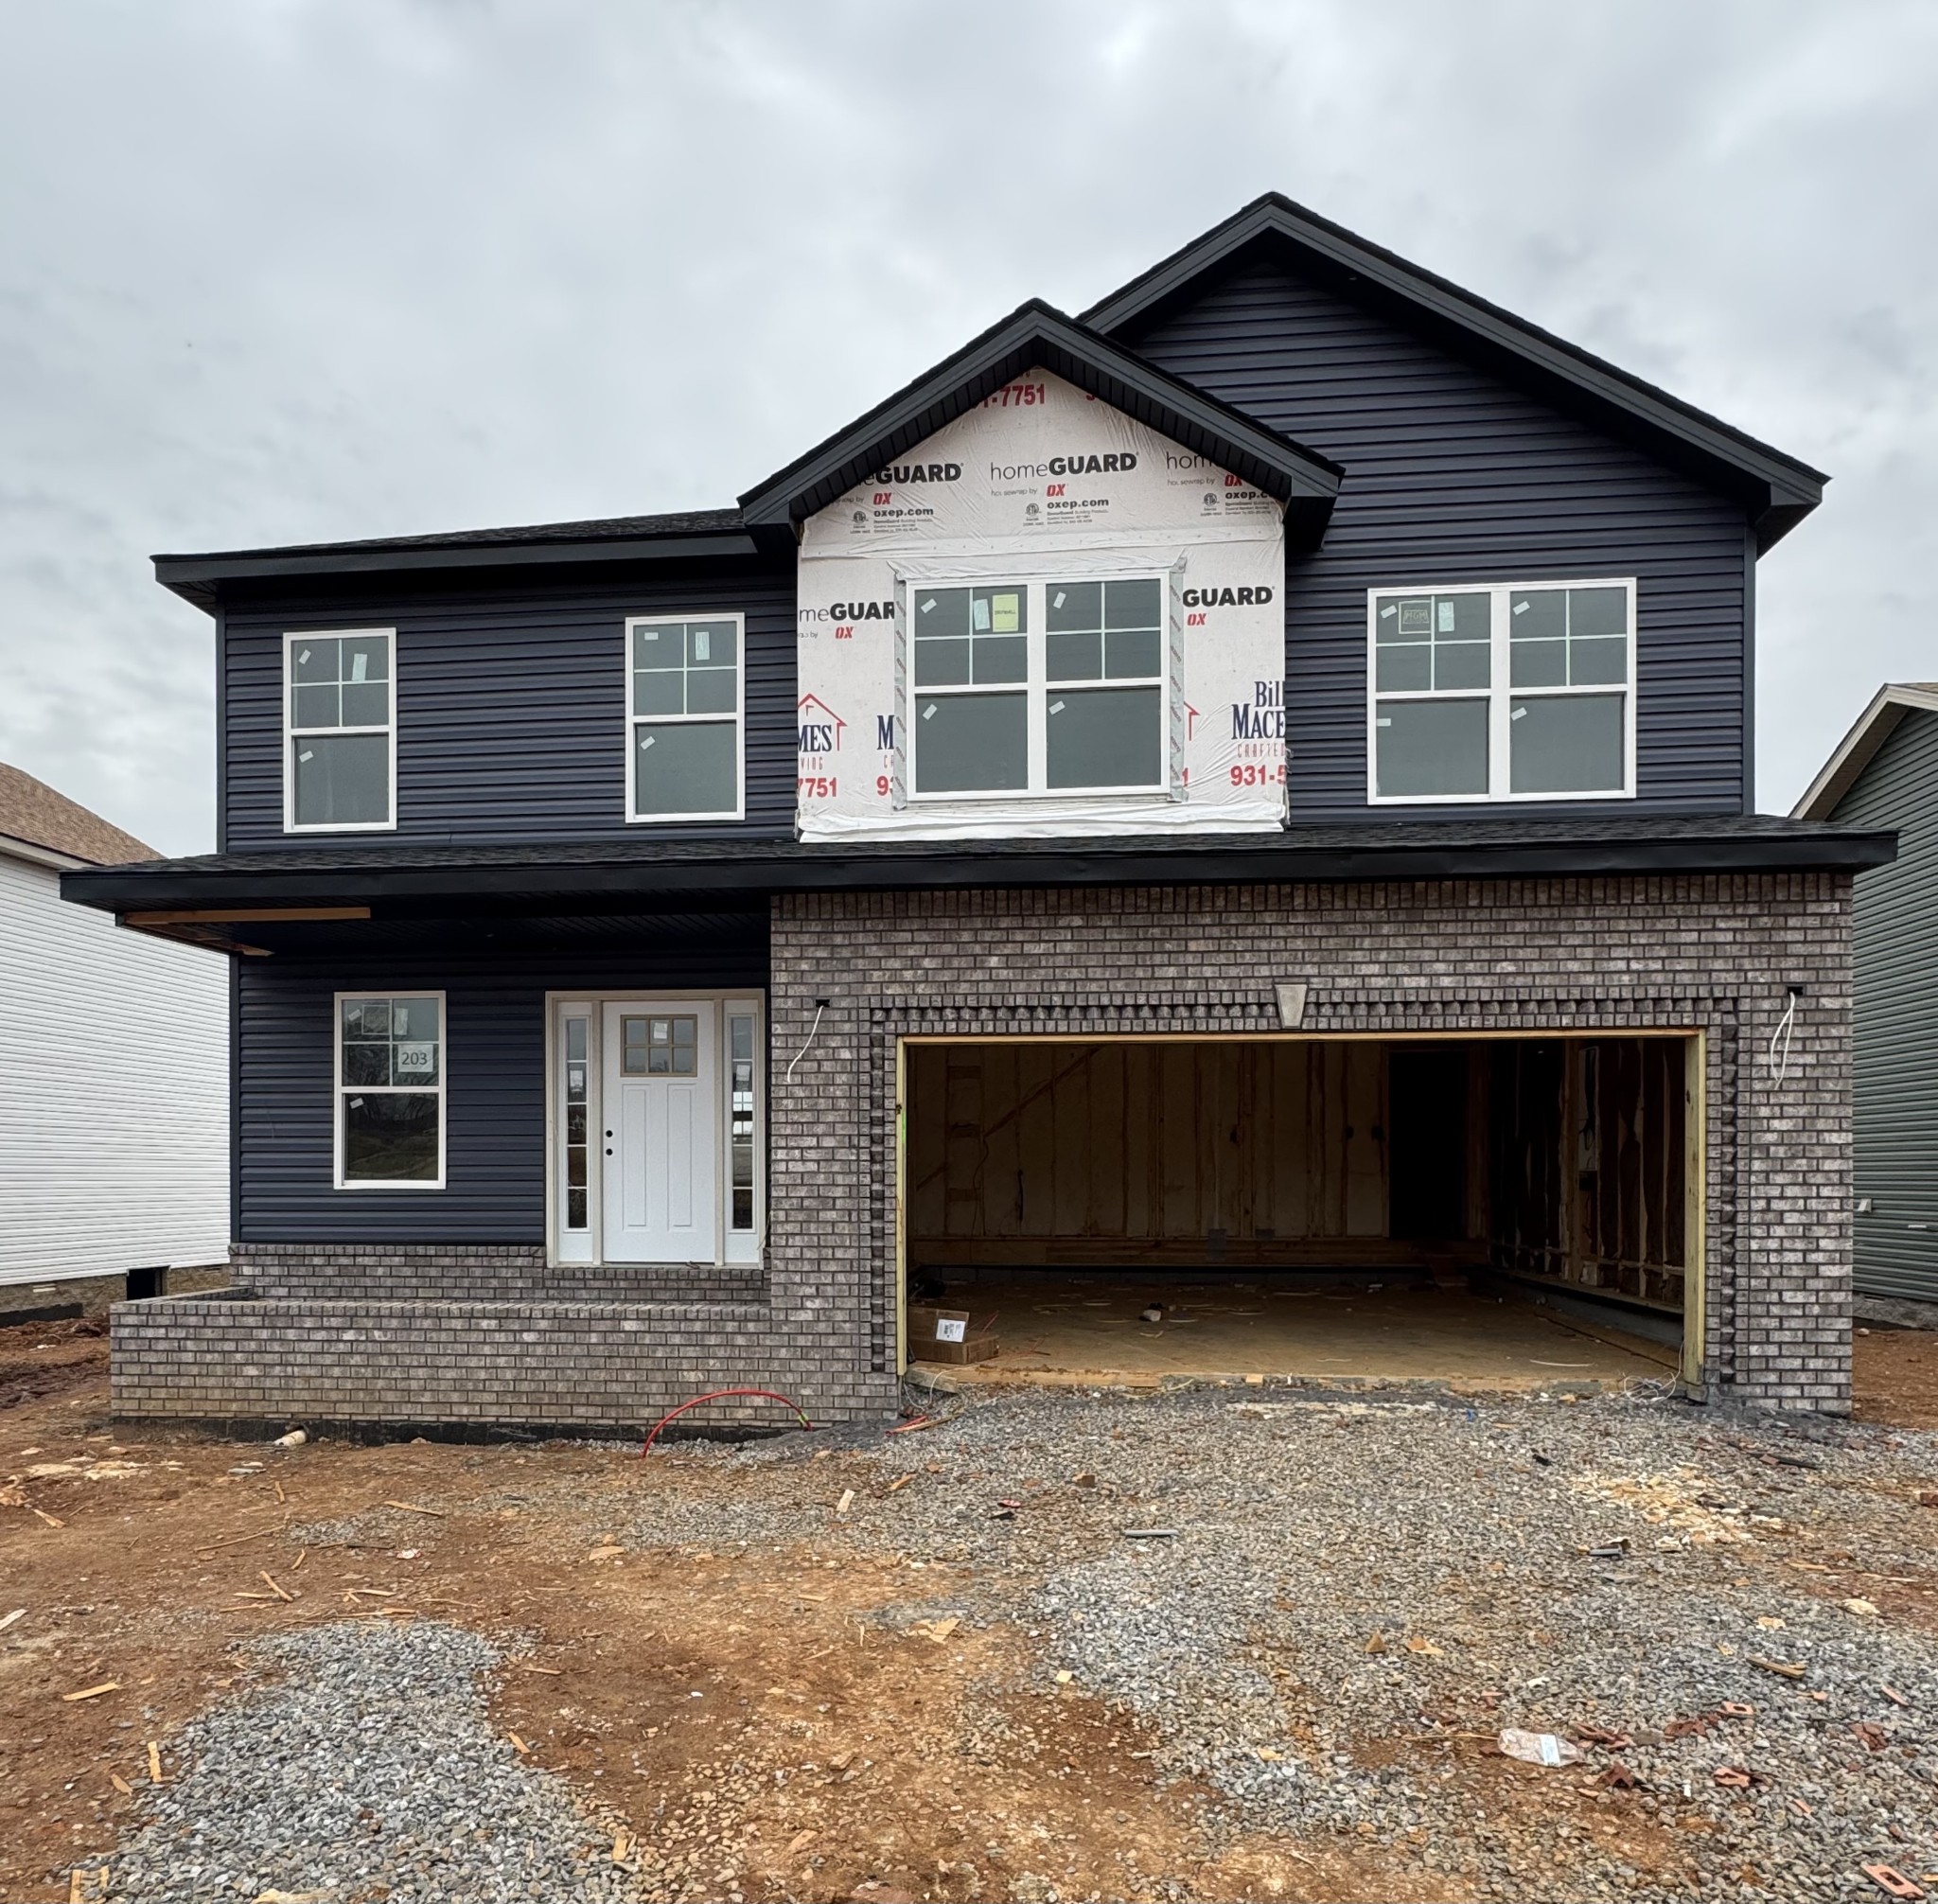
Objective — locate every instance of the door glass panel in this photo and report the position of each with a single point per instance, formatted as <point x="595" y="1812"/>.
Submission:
<point x="660" y="1048"/>
<point x="740" y="1120"/>
<point x="575" y="1132"/>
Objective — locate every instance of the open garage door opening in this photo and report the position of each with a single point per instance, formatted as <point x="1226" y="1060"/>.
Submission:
<point x="1504" y="1212"/>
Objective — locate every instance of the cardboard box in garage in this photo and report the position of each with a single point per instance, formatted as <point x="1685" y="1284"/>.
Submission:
<point x="947" y="1336"/>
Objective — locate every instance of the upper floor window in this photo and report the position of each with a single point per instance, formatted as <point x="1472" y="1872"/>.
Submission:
<point x="1038" y="687"/>
<point x="684" y="705"/>
<point x="1502" y="692"/>
<point x="340" y="732"/>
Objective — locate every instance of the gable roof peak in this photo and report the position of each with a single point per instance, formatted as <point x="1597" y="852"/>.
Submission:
<point x="1860" y="746"/>
<point x="1777" y="489"/>
<point x="1038" y="335"/>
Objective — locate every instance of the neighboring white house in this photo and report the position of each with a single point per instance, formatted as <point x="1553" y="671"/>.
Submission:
<point x="114" y="1075"/>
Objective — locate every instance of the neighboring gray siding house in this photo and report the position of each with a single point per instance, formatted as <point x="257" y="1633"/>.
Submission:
<point x="1252" y="780"/>
<point x="1885" y="774"/>
<point x="113" y="1077"/>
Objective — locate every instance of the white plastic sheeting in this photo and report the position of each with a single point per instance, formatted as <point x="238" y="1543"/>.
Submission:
<point x="1039" y="487"/>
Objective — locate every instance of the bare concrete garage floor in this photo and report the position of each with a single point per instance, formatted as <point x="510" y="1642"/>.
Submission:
<point x="1499" y="1213"/>
<point x="1070" y="1330"/>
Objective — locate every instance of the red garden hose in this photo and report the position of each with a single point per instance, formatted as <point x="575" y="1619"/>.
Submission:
<point x="714" y="1395"/>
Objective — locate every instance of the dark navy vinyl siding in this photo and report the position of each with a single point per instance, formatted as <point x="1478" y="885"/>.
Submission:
<point x="1455" y="476"/>
<point x="510" y="703"/>
<point x="494" y="1087"/>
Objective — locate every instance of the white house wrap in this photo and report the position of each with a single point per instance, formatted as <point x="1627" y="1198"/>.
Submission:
<point x="1045" y="621"/>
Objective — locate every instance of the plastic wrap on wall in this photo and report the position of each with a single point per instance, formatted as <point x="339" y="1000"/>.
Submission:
<point x="1044" y="489"/>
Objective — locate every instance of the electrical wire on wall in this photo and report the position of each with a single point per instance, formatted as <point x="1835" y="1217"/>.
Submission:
<point x="820" y="1005"/>
<point x="1780" y="1039"/>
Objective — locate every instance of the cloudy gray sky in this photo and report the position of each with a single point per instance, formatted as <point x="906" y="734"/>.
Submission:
<point x="296" y="269"/>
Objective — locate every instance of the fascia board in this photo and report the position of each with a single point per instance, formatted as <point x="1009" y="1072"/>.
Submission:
<point x="1794" y="487"/>
<point x="1860" y="747"/>
<point x="561" y="887"/>
<point x="1036" y="335"/>
<point x="197" y="579"/>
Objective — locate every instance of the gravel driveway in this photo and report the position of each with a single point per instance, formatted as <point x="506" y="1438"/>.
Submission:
<point x="1325" y="1612"/>
<point x="1334" y="1591"/>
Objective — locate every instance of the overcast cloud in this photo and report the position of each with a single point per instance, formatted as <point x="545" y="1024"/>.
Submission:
<point x="277" y="271"/>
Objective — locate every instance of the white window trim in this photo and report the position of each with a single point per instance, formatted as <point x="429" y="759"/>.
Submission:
<point x="718" y="1007"/>
<point x="290" y="732"/>
<point x="1499" y="695"/>
<point x="1036" y="689"/>
<point x="338" y="1088"/>
<point x="634" y="721"/>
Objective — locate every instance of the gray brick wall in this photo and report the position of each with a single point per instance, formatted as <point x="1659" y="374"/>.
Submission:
<point x="473" y="1271"/>
<point x="588" y="1367"/>
<point x="487" y="1335"/>
<point x="1713" y="954"/>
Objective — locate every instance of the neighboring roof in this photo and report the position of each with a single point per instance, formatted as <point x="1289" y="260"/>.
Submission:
<point x="1035" y="335"/>
<point x="1857" y="748"/>
<point x="34" y="814"/>
<point x="453" y="879"/>
<point x="689" y="536"/>
<point x="1778" y="489"/>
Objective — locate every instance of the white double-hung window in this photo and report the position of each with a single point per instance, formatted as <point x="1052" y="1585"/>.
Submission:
<point x="390" y="1091"/>
<point x="1038" y="687"/>
<point x="1504" y="691"/>
<point x="340" y="763"/>
<point x="684" y="701"/>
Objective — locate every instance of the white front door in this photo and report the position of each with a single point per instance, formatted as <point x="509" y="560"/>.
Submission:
<point x="661" y="1154"/>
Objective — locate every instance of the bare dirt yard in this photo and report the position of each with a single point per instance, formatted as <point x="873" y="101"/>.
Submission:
<point x="1212" y="1643"/>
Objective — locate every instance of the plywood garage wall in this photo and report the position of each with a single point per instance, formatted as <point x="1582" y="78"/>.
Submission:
<point x="1590" y="1152"/>
<point x="1166" y="1152"/>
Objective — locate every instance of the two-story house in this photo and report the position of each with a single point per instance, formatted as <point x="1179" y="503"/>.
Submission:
<point x="1256" y="779"/>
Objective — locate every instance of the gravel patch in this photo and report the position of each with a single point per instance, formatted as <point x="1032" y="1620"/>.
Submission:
<point x="1348" y="1586"/>
<point x="368" y="1770"/>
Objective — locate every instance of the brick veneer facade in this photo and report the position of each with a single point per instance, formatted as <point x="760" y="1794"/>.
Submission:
<point x="1714" y="953"/>
<point x="488" y="1336"/>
